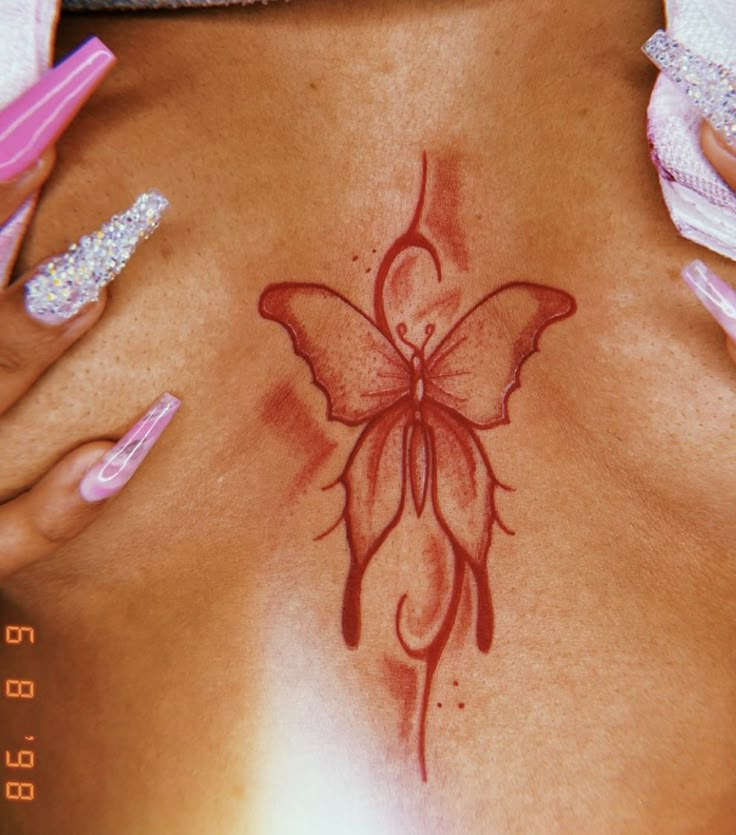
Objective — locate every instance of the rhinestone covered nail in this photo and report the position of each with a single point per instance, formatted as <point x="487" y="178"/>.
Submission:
<point x="710" y="86"/>
<point x="67" y="282"/>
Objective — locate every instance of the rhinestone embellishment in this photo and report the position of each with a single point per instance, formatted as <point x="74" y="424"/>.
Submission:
<point x="67" y="282"/>
<point x="711" y="87"/>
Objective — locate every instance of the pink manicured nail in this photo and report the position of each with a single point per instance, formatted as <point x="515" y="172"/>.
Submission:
<point x="36" y="119"/>
<point x="718" y="298"/>
<point x="113" y="471"/>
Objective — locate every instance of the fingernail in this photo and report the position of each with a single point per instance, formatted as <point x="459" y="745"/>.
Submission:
<point x="114" y="470"/>
<point x="718" y="297"/>
<point x="710" y="86"/>
<point x="67" y="282"/>
<point x="36" y="119"/>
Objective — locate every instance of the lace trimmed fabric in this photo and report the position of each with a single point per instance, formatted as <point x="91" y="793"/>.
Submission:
<point x="701" y="205"/>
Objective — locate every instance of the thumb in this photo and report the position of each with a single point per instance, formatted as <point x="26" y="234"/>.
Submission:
<point x="719" y="153"/>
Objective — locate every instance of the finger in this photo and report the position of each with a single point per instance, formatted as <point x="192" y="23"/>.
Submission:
<point x="41" y="520"/>
<point x="32" y="123"/>
<point x="709" y="88"/>
<point x="28" y="347"/>
<point x="14" y="193"/>
<point x="73" y="494"/>
<point x="719" y="154"/>
<point x="48" y="310"/>
<point x="731" y="348"/>
<point x="716" y="296"/>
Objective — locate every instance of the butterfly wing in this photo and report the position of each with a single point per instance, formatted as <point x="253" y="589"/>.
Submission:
<point x="365" y="380"/>
<point x="478" y="364"/>
<point x="463" y="487"/>
<point x="374" y="479"/>
<point x="359" y="370"/>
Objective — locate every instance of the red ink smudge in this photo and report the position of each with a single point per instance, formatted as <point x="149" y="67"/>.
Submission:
<point x="455" y="683"/>
<point x="289" y="417"/>
<point x="355" y="257"/>
<point x="431" y="587"/>
<point x="443" y="215"/>
<point x="400" y="288"/>
<point x="465" y="615"/>
<point x="402" y="682"/>
<point x="461" y="705"/>
<point x="382" y="379"/>
<point x="439" y="704"/>
<point x="447" y="303"/>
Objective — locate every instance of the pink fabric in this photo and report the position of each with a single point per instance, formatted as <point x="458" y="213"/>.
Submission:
<point x="701" y="205"/>
<point x="26" y="31"/>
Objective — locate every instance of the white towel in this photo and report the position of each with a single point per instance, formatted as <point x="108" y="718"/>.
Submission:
<point x="26" y="32"/>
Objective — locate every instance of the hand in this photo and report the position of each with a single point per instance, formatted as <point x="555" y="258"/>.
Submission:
<point x="52" y="306"/>
<point x="710" y="89"/>
<point x="716" y="295"/>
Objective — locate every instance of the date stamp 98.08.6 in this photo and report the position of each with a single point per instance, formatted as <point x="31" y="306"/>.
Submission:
<point x="19" y="760"/>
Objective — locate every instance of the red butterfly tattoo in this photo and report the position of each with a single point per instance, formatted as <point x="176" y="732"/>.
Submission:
<point x="419" y="409"/>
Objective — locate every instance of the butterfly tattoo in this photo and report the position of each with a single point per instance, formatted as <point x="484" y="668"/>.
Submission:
<point x="420" y="398"/>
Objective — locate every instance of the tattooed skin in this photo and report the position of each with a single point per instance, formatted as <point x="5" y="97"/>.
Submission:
<point x="420" y="396"/>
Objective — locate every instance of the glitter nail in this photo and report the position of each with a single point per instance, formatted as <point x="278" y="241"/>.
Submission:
<point x="716" y="296"/>
<point x="67" y="282"/>
<point x="711" y="87"/>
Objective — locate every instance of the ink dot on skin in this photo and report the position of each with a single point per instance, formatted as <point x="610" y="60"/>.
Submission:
<point x="455" y="683"/>
<point x="373" y="251"/>
<point x="368" y="270"/>
<point x="355" y="257"/>
<point x="461" y="705"/>
<point x="439" y="704"/>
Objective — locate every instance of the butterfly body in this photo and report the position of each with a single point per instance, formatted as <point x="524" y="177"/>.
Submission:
<point x="417" y="382"/>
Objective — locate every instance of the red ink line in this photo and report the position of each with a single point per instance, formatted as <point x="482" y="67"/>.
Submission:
<point x="383" y="392"/>
<point x="450" y="374"/>
<point x="441" y="353"/>
<point x="411" y="238"/>
<point x="385" y="376"/>
<point x="431" y="654"/>
<point x="329" y="530"/>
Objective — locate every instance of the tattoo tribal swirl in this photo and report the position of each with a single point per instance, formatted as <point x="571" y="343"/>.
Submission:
<point x="420" y="398"/>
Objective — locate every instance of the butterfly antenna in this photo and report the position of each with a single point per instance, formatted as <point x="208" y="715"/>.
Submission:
<point x="429" y="331"/>
<point x="401" y="333"/>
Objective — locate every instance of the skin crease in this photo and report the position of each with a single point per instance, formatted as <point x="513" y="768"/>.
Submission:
<point x="190" y="668"/>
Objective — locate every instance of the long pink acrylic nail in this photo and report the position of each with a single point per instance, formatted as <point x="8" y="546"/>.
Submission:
<point x="113" y="471"/>
<point x="718" y="297"/>
<point x="35" y="120"/>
